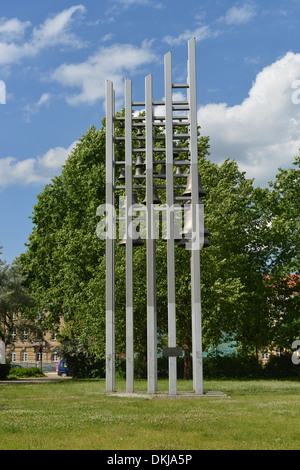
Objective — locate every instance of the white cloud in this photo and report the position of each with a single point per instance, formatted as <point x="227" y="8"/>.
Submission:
<point x="37" y="170"/>
<point x="54" y="31"/>
<point x="110" y="63"/>
<point x="239" y="15"/>
<point x="34" y="108"/>
<point x="262" y="133"/>
<point x="201" y="33"/>
<point x="134" y="3"/>
<point x="12" y="29"/>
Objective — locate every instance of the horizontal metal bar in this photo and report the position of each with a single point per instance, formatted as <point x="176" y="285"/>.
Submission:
<point x="180" y="85"/>
<point x="177" y="124"/>
<point x="174" y="176"/>
<point x="176" y="149"/>
<point x="180" y="103"/>
<point x="162" y="118"/>
<point x="181" y="108"/>
<point x="141" y="186"/>
<point x="158" y="149"/>
<point x="181" y="136"/>
<point x="181" y="162"/>
<point x="175" y="162"/>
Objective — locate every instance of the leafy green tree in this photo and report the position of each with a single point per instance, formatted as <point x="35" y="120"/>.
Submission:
<point x="15" y="303"/>
<point x="65" y="261"/>
<point x="284" y="203"/>
<point x="281" y="217"/>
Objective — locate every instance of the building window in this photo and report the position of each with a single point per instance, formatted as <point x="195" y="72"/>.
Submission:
<point x="25" y="336"/>
<point x="13" y="335"/>
<point x="265" y="354"/>
<point x="39" y="356"/>
<point x="54" y="356"/>
<point x="277" y="352"/>
<point x="24" y="356"/>
<point x="13" y="356"/>
<point x="40" y="316"/>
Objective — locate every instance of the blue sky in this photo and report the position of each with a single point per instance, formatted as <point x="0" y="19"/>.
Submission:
<point x="56" y="55"/>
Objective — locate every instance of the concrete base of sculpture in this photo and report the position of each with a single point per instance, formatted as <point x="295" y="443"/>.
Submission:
<point x="167" y="395"/>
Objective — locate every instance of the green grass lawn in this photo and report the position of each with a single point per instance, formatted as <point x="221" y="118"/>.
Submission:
<point x="79" y="415"/>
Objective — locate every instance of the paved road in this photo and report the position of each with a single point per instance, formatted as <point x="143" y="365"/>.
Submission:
<point x="49" y="377"/>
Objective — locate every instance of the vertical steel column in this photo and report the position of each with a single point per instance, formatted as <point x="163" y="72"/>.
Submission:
<point x="151" y="245"/>
<point x="129" y="243"/>
<point x="170" y="224"/>
<point x="110" y="242"/>
<point x="195" y="250"/>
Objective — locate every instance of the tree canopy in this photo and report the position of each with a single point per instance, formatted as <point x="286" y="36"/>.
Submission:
<point x="15" y="303"/>
<point x="254" y="234"/>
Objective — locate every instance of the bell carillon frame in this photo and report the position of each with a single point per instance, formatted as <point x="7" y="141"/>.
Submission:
<point x="141" y="128"/>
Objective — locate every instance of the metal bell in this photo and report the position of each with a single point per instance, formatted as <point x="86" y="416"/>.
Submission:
<point x="179" y="171"/>
<point x="163" y="171"/>
<point x="134" y="198"/>
<point x="135" y="242"/>
<point x="185" y="242"/>
<point x="156" y="199"/>
<point x="187" y="229"/>
<point x="122" y="174"/>
<point x="188" y="189"/>
<point x="139" y="161"/>
<point x="139" y="172"/>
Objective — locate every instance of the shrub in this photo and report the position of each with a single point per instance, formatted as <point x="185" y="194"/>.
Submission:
<point x="18" y="372"/>
<point x="281" y="367"/>
<point x="236" y="366"/>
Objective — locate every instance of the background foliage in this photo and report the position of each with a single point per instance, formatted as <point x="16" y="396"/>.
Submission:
<point x="254" y="245"/>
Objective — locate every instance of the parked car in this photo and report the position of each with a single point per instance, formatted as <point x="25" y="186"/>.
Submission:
<point x="62" y="368"/>
<point x="15" y="365"/>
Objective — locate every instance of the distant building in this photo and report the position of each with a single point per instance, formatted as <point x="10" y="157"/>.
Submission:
<point x="42" y="352"/>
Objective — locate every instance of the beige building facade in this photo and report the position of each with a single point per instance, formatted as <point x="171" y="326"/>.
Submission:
<point x="41" y="353"/>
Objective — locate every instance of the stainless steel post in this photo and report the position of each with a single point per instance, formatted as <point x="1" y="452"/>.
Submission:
<point x="110" y="242"/>
<point x="170" y="224"/>
<point x="151" y="245"/>
<point x="195" y="251"/>
<point x="129" y="244"/>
